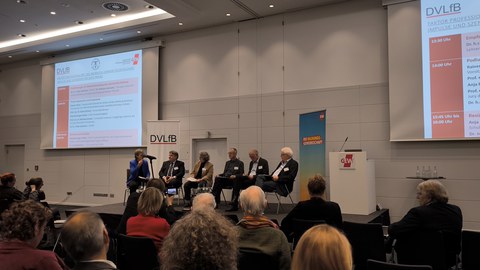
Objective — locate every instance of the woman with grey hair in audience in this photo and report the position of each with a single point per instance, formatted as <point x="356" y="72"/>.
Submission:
<point x="259" y="233"/>
<point x="201" y="240"/>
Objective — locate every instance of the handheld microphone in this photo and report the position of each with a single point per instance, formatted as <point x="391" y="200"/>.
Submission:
<point x="150" y="157"/>
<point x="341" y="148"/>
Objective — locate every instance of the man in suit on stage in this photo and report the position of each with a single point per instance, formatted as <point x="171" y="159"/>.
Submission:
<point x="172" y="171"/>
<point x="282" y="177"/>
<point x="258" y="166"/>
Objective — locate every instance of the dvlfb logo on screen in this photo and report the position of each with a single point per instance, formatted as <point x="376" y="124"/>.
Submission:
<point x="453" y="8"/>
<point x="346" y="162"/>
<point x="163" y="139"/>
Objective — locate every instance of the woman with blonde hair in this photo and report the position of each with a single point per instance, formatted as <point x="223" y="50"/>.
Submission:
<point x="147" y="223"/>
<point x="323" y="247"/>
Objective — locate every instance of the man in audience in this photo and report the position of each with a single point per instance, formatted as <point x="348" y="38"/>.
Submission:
<point x="22" y="229"/>
<point x="259" y="233"/>
<point x="8" y="190"/>
<point x="86" y="240"/>
<point x="203" y="200"/>
<point x="167" y="211"/>
<point x="138" y="171"/>
<point x="258" y="166"/>
<point x="172" y="171"/>
<point x="201" y="240"/>
<point x="282" y="178"/>
<point x="314" y="209"/>
<point x="433" y="214"/>
<point x="233" y="170"/>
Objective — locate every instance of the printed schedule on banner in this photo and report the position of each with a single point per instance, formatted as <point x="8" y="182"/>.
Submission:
<point x="98" y="101"/>
<point x="451" y="68"/>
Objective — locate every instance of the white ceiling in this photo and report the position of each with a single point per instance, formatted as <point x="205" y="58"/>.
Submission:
<point x="194" y="14"/>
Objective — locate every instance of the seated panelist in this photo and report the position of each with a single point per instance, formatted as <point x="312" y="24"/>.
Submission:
<point x="201" y="176"/>
<point x="138" y="170"/>
<point x="172" y="171"/>
<point x="282" y="177"/>
<point x="233" y="170"/>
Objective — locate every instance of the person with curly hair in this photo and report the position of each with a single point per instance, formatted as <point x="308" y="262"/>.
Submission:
<point x="323" y="247"/>
<point x="22" y="228"/>
<point x="201" y="240"/>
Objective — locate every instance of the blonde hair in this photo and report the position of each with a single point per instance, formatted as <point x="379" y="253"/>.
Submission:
<point x="322" y="247"/>
<point x="150" y="202"/>
<point x="434" y="190"/>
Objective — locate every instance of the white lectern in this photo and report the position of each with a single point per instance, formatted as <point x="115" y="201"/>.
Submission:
<point x="352" y="182"/>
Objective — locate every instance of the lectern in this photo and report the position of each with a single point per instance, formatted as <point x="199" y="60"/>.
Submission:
<point x="352" y="182"/>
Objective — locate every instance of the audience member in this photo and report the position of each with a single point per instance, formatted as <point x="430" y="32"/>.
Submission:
<point x="433" y="214"/>
<point x="8" y="190"/>
<point x="322" y="247"/>
<point x="166" y="211"/>
<point x="22" y="229"/>
<point x="316" y="208"/>
<point x="146" y="223"/>
<point x="86" y="240"/>
<point x="172" y="171"/>
<point x="204" y="200"/>
<point x="259" y="233"/>
<point x="282" y="177"/>
<point x="33" y="190"/>
<point x="202" y="240"/>
<point x="233" y="170"/>
<point x="258" y="166"/>
<point x="201" y="176"/>
<point x="138" y="171"/>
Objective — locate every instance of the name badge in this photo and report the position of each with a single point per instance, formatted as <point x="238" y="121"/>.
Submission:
<point x="260" y="167"/>
<point x="176" y="168"/>
<point x="286" y="169"/>
<point x="203" y="169"/>
<point x="235" y="168"/>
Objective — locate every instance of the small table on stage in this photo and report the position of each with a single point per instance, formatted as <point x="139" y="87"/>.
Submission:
<point x="426" y="178"/>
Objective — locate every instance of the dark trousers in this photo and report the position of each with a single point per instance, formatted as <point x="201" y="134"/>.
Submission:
<point x="175" y="183"/>
<point x="187" y="188"/>
<point x="239" y="184"/>
<point x="266" y="183"/>
<point x="133" y="186"/>
<point x="221" y="182"/>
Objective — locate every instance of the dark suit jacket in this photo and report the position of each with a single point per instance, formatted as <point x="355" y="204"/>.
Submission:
<point x="288" y="173"/>
<point x="313" y="209"/>
<point x="93" y="266"/>
<point x="178" y="169"/>
<point x="262" y="167"/>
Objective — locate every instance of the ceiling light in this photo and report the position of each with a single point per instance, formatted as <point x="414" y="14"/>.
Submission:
<point x="10" y="56"/>
<point x="22" y="21"/>
<point x="271" y="6"/>
<point x="21" y="35"/>
<point x="228" y="14"/>
<point x="180" y="23"/>
<point x="78" y="22"/>
<point x="113" y="15"/>
<point x="65" y="5"/>
<point x="21" y="1"/>
<point x="53" y="12"/>
<point x="37" y="51"/>
<point x="101" y="38"/>
<point x="139" y="32"/>
<point x="149" y="6"/>
<point x="67" y="45"/>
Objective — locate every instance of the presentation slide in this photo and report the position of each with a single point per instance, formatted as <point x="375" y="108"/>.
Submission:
<point x="451" y="68"/>
<point x="98" y="102"/>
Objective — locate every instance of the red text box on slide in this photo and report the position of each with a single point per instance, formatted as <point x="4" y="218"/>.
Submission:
<point x="63" y="94"/>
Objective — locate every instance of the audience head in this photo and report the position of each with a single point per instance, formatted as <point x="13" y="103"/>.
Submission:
<point x="172" y="155"/>
<point x="316" y="186"/>
<point x="201" y="240"/>
<point x="232" y="153"/>
<point x="139" y="154"/>
<point x="35" y="181"/>
<point x="8" y="179"/>
<point x="431" y="191"/>
<point x="150" y="202"/>
<point x="84" y="237"/>
<point x="156" y="183"/>
<point x="253" y="154"/>
<point x="203" y="200"/>
<point x="253" y="201"/>
<point x="24" y="221"/>
<point x="286" y="153"/>
<point x="204" y="156"/>
<point x="322" y="247"/>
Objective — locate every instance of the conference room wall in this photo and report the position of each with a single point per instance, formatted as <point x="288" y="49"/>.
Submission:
<point x="201" y="88"/>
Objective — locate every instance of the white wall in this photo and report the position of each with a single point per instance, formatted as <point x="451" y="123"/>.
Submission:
<point x="250" y="87"/>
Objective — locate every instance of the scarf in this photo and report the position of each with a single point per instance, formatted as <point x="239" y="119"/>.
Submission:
<point x="256" y="222"/>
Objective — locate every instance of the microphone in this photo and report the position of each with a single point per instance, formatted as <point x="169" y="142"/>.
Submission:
<point x="341" y="148"/>
<point x="150" y="157"/>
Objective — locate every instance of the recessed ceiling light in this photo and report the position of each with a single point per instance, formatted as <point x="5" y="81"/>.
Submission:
<point x="22" y="21"/>
<point x="10" y="56"/>
<point x="53" y="12"/>
<point x="271" y="6"/>
<point x="149" y="6"/>
<point x="139" y="32"/>
<point x="37" y="51"/>
<point x="21" y="35"/>
<point x="21" y="1"/>
<point x="101" y="38"/>
<point x="113" y="15"/>
<point x="228" y="14"/>
<point x="67" y="45"/>
<point x="78" y="22"/>
<point x="180" y="23"/>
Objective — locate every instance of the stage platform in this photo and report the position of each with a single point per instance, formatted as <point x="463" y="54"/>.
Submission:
<point x="112" y="213"/>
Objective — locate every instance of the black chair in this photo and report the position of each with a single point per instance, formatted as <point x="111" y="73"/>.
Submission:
<point x="278" y="196"/>
<point x="232" y="218"/>
<point x="421" y="248"/>
<point x="5" y="204"/>
<point x="249" y="259"/>
<point x="367" y="242"/>
<point x="136" y="253"/>
<point x="378" y="265"/>
<point x="300" y="226"/>
<point x="470" y="250"/>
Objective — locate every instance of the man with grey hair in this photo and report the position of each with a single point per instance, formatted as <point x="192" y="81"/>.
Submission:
<point x="282" y="178"/>
<point x="202" y="201"/>
<point x="257" y="232"/>
<point x="86" y="240"/>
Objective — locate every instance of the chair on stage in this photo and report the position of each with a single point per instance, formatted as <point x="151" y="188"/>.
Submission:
<point x="136" y="253"/>
<point x="378" y="265"/>
<point x="367" y="242"/>
<point x="300" y="226"/>
<point x="249" y="259"/>
<point x="127" y="190"/>
<point x="470" y="250"/>
<point x="278" y="196"/>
